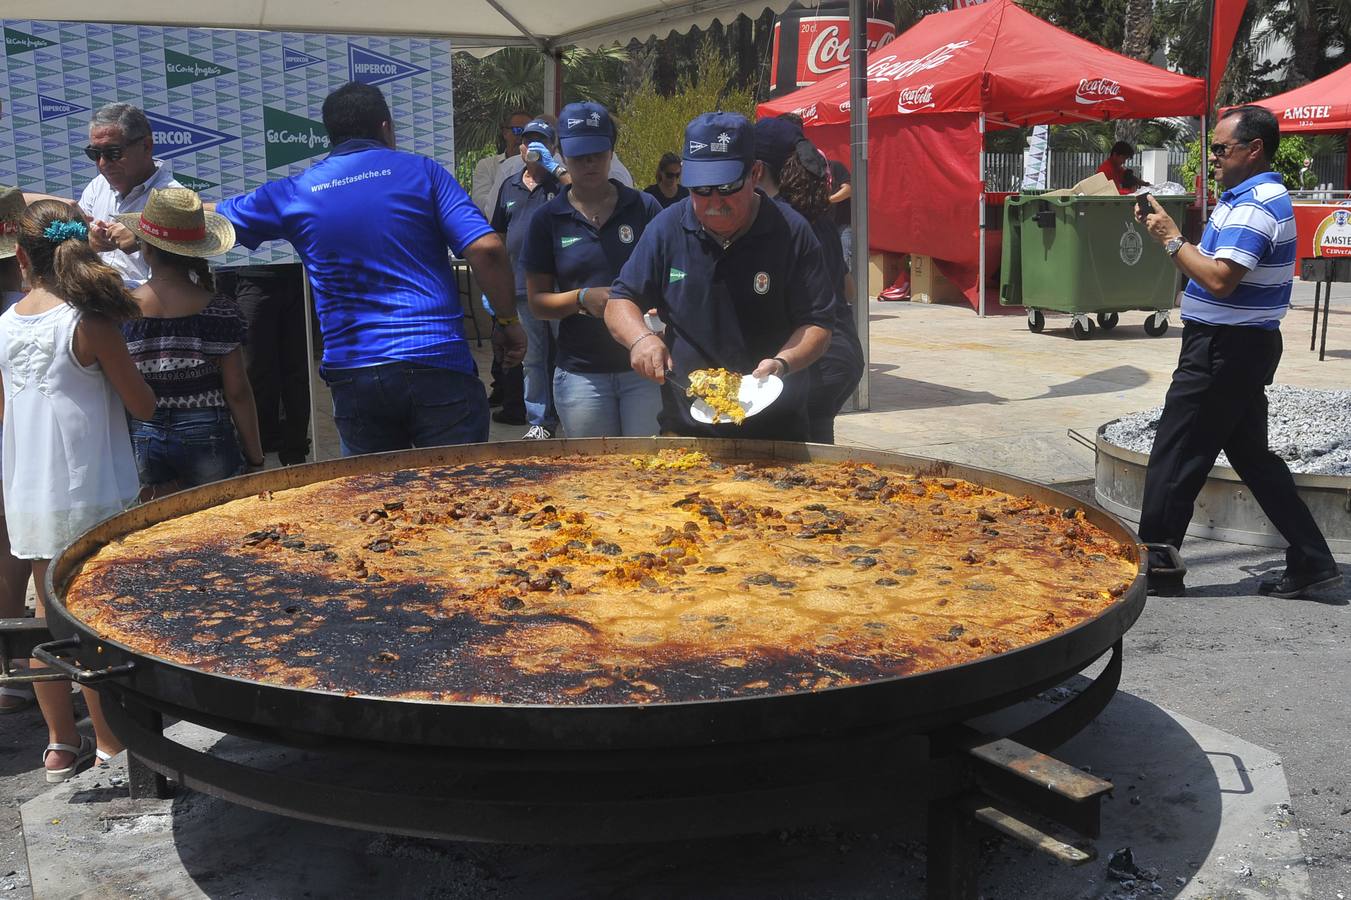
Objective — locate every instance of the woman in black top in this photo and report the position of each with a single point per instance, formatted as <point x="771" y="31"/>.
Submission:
<point x="668" y="188"/>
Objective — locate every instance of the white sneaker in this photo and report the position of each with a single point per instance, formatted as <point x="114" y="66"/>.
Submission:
<point x="537" y="433"/>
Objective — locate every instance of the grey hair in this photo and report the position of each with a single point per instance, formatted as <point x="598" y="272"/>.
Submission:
<point x="128" y="119"/>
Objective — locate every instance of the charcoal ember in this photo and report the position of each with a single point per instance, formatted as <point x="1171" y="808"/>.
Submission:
<point x="1121" y="866"/>
<point x="380" y="545"/>
<point x="983" y="586"/>
<point x="971" y="556"/>
<point x="511" y="603"/>
<point x="393" y="505"/>
<point x="318" y="548"/>
<point x="667" y="535"/>
<point x="863" y="562"/>
<point x="513" y="571"/>
<point x="759" y="578"/>
<point x="904" y="571"/>
<point x="985" y="516"/>
<point x="887" y="582"/>
<point x="293" y="544"/>
<point x="953" y="633"/>
<point x="947" y="484"/>
<point x="715" y="570"/>
<point x="1070" y="512"/>
<point x="374" y="579"/>
<point x="330" y="556"/>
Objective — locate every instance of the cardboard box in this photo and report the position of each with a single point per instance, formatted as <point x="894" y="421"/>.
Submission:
<point x="928" y="285"/>
<point x="883" y="270"/>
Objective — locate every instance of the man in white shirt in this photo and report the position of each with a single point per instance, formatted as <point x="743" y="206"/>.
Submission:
<point x="484" y="189"/>
<point x="122" y="146"/>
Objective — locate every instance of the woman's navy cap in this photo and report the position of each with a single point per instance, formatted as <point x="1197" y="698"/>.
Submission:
<point x="585" y="128"/>
<point x="719" y="149"/>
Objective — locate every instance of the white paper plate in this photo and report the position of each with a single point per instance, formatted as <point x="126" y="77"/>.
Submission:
<point x="754" y="396"/>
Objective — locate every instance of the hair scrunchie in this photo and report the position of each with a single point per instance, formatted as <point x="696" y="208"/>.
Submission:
<point x="58" y="232"/>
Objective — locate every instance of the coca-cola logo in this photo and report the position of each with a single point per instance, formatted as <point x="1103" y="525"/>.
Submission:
<point x="829" y="50"/>
<point x="914" y="99"/>
<point x="888" y="68"/>
<point x="808" y="113"/>
<point x="1098" y="90"/>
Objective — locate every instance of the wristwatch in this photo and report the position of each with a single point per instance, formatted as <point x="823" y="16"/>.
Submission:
<point x="506" y="321"/>
<point x="1174" y="244"/>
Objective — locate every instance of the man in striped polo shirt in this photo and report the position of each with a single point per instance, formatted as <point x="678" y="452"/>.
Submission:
<point x="1238" y="291"/>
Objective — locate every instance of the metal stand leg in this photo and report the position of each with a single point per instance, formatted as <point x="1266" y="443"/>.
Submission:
<point x="145" y="783"/>
<point x="1327" y="302"/>
<point x="1317" y="294"/>
<point x="954" y="851"/>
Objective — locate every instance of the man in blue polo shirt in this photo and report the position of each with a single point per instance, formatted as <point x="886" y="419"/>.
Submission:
<point x="518" y="198"/>
<point x="737" y="278"/>
<point x="372" y="225"/>
<point x="1238" y="292"/>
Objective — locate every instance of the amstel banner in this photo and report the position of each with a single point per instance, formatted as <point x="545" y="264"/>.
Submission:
<point x="230" y="110"/>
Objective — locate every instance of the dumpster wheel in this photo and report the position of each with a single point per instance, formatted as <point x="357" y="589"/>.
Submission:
<point x="1035" y="321"/>
<point x="1156" y="324"/>
<point x="1108" y="320"/>
<point x="1082" y="326"/>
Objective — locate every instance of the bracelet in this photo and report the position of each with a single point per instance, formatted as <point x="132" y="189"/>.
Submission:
<point x="783" y="362"/>
<point x="645" y="334"/>
<point x="581" y="303"/>
<point x="506" y="321"/>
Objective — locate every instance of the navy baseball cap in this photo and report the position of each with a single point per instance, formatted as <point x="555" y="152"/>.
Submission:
<point x="775" y="141"/>
<point x="541" y="128"/>
<point x="585" y="128"/>
<point x="719" y="149"/>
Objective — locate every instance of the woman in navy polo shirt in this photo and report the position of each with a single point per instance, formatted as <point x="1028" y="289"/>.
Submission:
<point x="575" y="247"/>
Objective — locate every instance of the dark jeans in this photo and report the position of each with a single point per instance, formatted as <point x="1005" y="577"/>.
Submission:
<point x="1218" y="401"/>
<point x="274" y="307"/>
<point x="186" y="447"/>
<point x="834" y="378"/>
<point x="401" y="405"/>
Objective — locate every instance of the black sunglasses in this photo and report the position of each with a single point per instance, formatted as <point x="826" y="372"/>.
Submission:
<point x="517" y="129"/>
<point x="112" y="153"/>
<point x="1222" y="150"/>
<point x="724" y="190"/>
<point x="670" y="174"/>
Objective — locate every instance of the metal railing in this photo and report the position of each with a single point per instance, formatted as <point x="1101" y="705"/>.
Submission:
<point x="1004" y="171"/>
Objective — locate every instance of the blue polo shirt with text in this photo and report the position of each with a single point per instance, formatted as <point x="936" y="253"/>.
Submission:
<point x="562" y="243"/>
<point x="372" y="225"/>
<point x="731" y="307"/>
<point x="1253" y="225"/>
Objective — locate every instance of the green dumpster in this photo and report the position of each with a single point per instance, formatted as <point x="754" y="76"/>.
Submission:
<point x="1087" y="257"/>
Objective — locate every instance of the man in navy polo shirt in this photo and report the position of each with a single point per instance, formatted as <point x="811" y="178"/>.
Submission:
<point x="371" y="225"/>
<point x="738" y="279"/>
<point x="1238" y="292"/>
<point x="519" y="197"/>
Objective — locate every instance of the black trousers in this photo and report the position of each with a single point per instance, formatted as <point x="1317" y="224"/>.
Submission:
<point x="1218" y="401"/>
<point x="274" y="307"/>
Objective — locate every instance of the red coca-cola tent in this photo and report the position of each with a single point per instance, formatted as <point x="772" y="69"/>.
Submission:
<point x="932" y="93"/>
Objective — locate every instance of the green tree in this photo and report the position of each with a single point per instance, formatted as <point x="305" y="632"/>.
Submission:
<point x="651" y="124"/>
<point x="1292" y="161"/>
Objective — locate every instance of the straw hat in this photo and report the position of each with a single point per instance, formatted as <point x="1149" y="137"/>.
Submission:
<point x="12" y="207"/>
<point x="173" y="220"/>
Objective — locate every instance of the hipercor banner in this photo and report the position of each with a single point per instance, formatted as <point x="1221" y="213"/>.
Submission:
<point x="229" y="110"/>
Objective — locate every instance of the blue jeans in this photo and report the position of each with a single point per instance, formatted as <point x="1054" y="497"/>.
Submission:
<point x="538" y="363"/>
<point x="400" y="405"/>
<point x="186" y="447"/>
<point x="607" y="404"/>
<point x="847" y="243"/>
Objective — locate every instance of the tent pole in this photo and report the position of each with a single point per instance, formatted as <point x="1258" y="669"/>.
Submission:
<point x="1205" y="171"/>
<point x="981" y="166"/>
<point x="858" y="164"/>
<point x="553" y="82"/>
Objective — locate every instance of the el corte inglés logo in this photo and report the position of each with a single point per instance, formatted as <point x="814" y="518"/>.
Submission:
<point x="181" y="69"/>
<point x="290" y="138"/>
<point x="17" y="42"/>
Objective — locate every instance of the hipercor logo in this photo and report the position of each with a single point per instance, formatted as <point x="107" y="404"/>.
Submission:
<point x="290" y="138"/>
<point x="181" y="69"/>
<point x="296" y="59"/>
<point x="177" y="138"/>
<point x="369" y="67"/>
<point x="17" y="42"/>
<point x="51" y="108"/>
<point x="1098" y="90"/>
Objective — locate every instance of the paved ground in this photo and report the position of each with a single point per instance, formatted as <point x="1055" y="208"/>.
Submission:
<point x="948" y="384"/>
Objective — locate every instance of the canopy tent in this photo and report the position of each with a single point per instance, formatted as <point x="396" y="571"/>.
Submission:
<point x="935" y="89"/>
<point x="482" y="25"/>
<point x="1317" y="107"/>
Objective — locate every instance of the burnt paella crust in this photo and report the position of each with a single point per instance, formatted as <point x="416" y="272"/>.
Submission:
<point x="595" y="579"/>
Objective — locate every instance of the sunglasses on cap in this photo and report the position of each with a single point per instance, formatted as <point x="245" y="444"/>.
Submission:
<point x="112" y="153"/>
<point x="724" y="190"/>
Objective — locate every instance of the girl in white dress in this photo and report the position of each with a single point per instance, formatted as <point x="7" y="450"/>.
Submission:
<point x="68" y="460"/>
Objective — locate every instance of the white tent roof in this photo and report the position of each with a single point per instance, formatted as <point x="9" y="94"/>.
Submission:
<point x="470" y="24"/>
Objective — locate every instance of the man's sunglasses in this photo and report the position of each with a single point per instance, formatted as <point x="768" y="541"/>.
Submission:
<point x="1222" y="150"/>
<point x="517" y="130"/>
<point x="112" y="153"/>
<point x="724" y="190"/>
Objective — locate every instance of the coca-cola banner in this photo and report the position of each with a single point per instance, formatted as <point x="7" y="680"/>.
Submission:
<point x="811" y="44"/>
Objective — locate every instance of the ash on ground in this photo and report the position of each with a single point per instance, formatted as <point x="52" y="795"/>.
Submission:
<point x="1309" y="429"/>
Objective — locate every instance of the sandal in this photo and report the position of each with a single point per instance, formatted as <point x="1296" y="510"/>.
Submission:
<point x="24" y="696"/>
<point x="101" y="758"/>
<point x="83" y="754"/>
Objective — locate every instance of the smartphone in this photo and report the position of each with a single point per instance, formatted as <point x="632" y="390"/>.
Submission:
<point x="1142" y="204"/>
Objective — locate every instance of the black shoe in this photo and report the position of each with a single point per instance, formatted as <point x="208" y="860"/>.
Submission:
<point x="1165" y="586"/>
<point x="509" y="417"/>
<point x="1293" y="584"/>
<point x="495" y="398"/>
